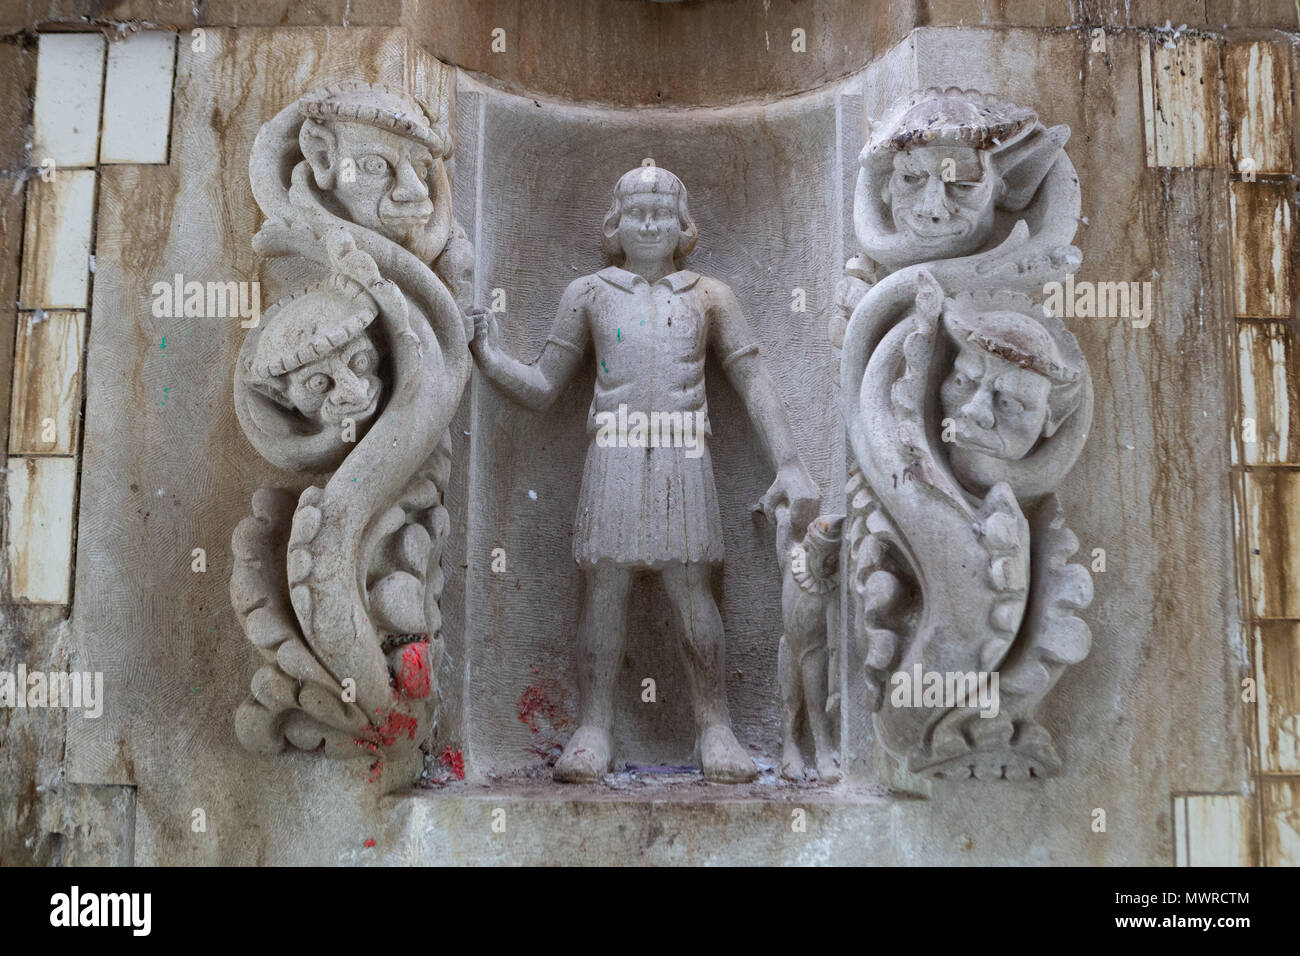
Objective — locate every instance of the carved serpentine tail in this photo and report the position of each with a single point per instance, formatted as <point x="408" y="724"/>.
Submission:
<point x="979" y="548"/>
<point x="1000" y="607"/>
<point x="396" y="469"/>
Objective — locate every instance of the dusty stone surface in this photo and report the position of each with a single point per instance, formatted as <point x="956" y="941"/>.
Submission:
<point x="523" y="621"/>
<point x="769" y="190"/>
<point x="648" y="500"/>
<point x="1157" y="513"/>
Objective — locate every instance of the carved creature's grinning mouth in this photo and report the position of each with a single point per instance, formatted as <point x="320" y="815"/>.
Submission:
<point x="404" y="220"/>
<point x="924" y="228"/>
<point x="336" y="413"/>
<point x="976" y="439"/>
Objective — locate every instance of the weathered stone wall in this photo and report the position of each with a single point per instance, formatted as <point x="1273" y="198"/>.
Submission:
<point x="1154" y="713"/>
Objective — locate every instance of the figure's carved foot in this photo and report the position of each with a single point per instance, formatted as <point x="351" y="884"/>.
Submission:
<point x="725" y="761"/>
<point x="586" y="759"/>
<point x="792" y="767"/>
<point x="827" y="769"/>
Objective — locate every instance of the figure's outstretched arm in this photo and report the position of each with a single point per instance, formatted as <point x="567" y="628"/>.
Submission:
<point x="536" y="384"/>
<point x="735" y="347"/>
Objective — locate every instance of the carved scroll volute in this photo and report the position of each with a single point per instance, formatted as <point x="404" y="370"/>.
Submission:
<point x="965" y="407"/>
<point x="358" y="373"/>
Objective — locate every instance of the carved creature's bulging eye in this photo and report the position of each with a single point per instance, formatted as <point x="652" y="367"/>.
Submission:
<point x="320" y="382"/>
<point x="912" y="179"/>
<point x="374" y="165"/>
<point x="960" y="381"/>
<point x="360" y="362"/>
<point x="1009" y="406"/>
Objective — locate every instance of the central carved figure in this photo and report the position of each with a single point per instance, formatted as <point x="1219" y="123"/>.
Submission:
<point x="649" y="503"/>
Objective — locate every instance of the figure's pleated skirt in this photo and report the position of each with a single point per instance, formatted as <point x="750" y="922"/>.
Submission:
<point x="647" y="507"/>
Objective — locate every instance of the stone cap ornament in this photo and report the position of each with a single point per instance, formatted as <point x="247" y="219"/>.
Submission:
<point x="308" y="325"/>
<point x="952" y="117"/>
<point x="1006" y="334"/>
<point x="377" y="106"/>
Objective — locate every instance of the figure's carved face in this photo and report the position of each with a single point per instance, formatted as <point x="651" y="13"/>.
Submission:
<point x="381" y="179"/>
<point x="943" y="198"/>
<point x="343" y="384"/>
<point x="998" y="407"/>
<point x="648" y="227"/>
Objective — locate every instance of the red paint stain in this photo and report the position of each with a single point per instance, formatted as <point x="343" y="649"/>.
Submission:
<point x="369" y="844"/>
<point x="454" y="761"/>
<point x="386" y="734"/>
<point x="532" y="702"/>
<point x="416" y="681"/>
<point x="539" y="702"/>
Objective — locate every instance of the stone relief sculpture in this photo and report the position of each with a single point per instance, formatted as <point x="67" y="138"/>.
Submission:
<point x="808" y="659"/>
<point x="350" y="383"/>
<point x="965" y="407"/>
<point x="648" y="502"/>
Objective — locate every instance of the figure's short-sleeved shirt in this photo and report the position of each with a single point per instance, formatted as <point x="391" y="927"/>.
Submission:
<point x="647" y="507"/>
<point x="650" y="340"/>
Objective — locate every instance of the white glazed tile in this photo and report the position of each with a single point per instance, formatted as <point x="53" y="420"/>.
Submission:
<point x="138" y="99"/>
<point x="65" y="116"/>
<point x="38" y="544"/>
<point x="56" y="242"/>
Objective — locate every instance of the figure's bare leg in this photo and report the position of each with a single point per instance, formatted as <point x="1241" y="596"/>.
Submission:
<point x="601" y="635"/>
<point x="789" y="680"/>
<point x="814" y="694"/>
<point x="703" y="644"/>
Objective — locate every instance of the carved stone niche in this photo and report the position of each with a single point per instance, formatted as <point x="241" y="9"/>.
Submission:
<point x="648" y="504"/>
<point x="350" y="382"/>
<point x="965" y="405"/>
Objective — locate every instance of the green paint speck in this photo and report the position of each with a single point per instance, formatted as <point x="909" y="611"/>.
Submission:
<point x="165" y="391"/>
<point x="164" y="343"/>
<point x="620" y="335"/>
<point x="605" y="367"/>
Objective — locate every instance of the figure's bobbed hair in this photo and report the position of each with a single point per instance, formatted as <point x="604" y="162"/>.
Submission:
<point x="648" y="179"/>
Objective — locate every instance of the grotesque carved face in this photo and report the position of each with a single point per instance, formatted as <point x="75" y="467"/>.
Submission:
<point x="648" y="227"/>
<point x="343" y="384"/>
<point x="942" y="197"/>
<point x="998" y="407"/>
<point x="380" y="179"/>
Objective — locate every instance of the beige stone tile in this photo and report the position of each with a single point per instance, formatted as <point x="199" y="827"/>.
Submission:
<point x="1277" y="670"/>
<point x="69" y="80"/>
<point x="38" y="537"/>
<point x="56" y="243"/>
<point x="1269" y="387"/>
<point x="1272" y="507"/>
<point x="1214" y="830"/>
<point x="46" y="402"/>
<point x="1180" y="89"/>
<point x="1261" y="249"/>
<point x="1258" y="81"/>
<point x="138" y="98"/>
<point x="17" y="73"/>
<point x="1281" y="821"/>
<point x="1256" y="14"/>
